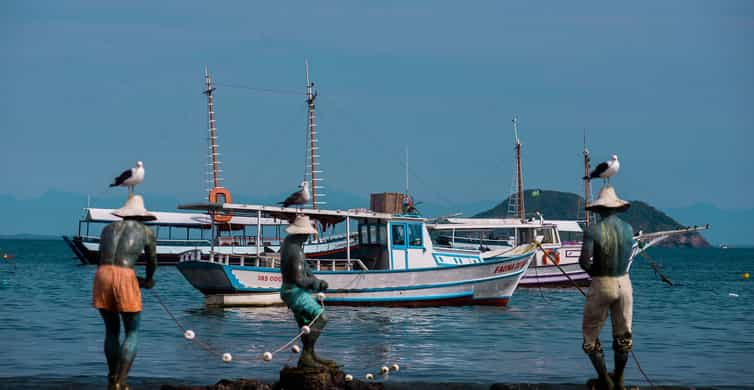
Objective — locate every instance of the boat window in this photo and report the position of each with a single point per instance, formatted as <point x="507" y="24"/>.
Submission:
<point x="381" y="234"/>
<point x="525" y="236"/>
<point x="570" y="237"/>
<point x="372" y="234"/>
<point x="398" y="236"/>
<point x="363" y="234"/>
<point x="549" y="236"/>
<point x="415" y="234"/>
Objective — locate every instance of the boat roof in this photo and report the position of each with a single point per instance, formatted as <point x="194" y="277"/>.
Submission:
<point x="484" y="223"/>
<point x="176" y="218"/>
<point x="566" y="225"/>
<point x="324" y="216"/>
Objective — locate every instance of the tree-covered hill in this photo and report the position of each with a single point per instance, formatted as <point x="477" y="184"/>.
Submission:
<point x="564" y="205"/>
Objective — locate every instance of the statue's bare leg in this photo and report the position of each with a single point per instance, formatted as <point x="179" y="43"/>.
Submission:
<point x="112" y="343"/>
<point x="128" y="351"/>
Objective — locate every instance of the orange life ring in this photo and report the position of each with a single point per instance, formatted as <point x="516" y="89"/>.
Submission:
<point x="551" y="254"/>
<point x="224" y="194"/>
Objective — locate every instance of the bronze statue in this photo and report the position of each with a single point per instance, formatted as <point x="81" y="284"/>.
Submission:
<point x="605" y="255"/>
<point x="116" y="286"/>
<point x="298" y="285"/>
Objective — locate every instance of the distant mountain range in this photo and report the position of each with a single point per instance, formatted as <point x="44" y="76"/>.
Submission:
<point x="564" y="205"/>
<point x="56" y="212"/>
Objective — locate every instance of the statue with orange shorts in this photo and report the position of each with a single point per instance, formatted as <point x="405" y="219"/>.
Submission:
<point x="116" y="287"/>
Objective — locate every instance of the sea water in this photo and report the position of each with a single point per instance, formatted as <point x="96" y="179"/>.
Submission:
<point x="698" y="332"/>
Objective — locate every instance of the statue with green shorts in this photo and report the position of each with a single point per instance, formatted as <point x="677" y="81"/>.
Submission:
<point x="116" y="287"/>
<point x="605" y="255"/>
<point x="298" y="285"/>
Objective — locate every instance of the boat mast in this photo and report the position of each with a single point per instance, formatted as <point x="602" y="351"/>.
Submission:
<point x="407" y="193"/>
<point x="213" y="163"/>
<point x="587" y="183"/>
<point x="311" y="95"/>
<point x="519" y="173"/>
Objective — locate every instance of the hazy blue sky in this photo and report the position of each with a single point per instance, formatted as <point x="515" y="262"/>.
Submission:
<point x="90" y="87"/>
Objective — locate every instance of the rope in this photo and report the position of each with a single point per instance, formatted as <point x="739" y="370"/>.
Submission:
<point x="207" y="347"/>
<point x="539" y="246"/>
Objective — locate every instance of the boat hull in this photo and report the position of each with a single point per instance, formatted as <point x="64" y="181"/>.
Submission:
<point x="489" y="283"/>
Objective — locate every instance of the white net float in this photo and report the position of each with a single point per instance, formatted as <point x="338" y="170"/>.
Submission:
<point x="227" y="357"/>
<point x="189" y="334"/>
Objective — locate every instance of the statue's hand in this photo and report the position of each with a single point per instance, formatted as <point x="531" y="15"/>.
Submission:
<point x="145" y="283"/>
<point x="322" y="285"/>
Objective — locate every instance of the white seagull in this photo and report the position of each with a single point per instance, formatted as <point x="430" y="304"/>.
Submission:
<point x="300" y="197"/>
<point x="130" y="177"/>
<point x="605" y="169"/>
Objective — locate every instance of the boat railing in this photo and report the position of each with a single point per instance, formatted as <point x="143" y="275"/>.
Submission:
<point x="337" y="264"/>
<point x="96" y="239"/>
<point x="263" y="261"/>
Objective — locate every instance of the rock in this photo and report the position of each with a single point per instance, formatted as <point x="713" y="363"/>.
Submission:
<point x="225" y="384"/>
<point x="294" y="378"/>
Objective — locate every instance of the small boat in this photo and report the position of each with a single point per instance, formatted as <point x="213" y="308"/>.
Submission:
<point x="395" y="263"/>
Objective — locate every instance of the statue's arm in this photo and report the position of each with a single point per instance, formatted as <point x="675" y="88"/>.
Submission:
<point x="307" y="280"/>
<point x="150" y="252"/>
<point x="586" y="260"/>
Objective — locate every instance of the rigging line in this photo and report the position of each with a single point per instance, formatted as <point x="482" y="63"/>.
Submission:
<point x="258" y="89"/>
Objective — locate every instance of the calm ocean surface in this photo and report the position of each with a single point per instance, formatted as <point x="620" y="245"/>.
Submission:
<point x="694" y="333"/>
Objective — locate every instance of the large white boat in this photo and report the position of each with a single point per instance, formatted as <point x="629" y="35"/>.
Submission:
<point x="556" y="264"/>
<point x="395" y="263"/>
<point x="178" y="232"/>
<point x="560" y="267"/>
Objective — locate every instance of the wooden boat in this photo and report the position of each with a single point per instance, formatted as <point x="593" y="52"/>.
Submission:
<point x="395" y="263"/>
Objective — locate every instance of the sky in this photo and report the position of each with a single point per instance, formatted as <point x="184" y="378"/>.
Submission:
<point x="90" y="87"/>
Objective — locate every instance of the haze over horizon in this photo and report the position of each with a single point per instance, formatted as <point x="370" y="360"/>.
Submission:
<point x="93" y="87"/>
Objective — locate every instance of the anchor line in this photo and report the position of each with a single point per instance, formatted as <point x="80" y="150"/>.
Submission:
<point x="654" y="265"/>
<point x="210" y="349"/>
<point x="633" y="354"/>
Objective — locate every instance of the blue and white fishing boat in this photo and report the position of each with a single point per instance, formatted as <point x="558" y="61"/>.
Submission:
<point x="395" y="263"/>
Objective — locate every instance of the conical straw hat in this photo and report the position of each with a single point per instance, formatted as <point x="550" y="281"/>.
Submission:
<point x="134" y="209"/>
<point x="609" y="199"/>
<point x="302" y="225"/>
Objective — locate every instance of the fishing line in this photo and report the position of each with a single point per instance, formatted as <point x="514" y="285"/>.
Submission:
<point x="633" y="354"/>
<point x="267" y="356"/>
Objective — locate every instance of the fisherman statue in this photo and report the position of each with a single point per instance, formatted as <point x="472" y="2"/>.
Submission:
<point x="605" y="255"/>
<point x="116" y="287"/>
<point x="298" y="285"/>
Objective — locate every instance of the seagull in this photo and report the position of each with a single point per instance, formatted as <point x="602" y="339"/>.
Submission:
<point x="300" y="197"/>
<point x="605" y="169"/>
<point x="130" y="177"/>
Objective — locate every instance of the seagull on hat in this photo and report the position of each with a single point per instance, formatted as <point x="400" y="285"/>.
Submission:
<point x="130" y="177"/>
<point x="605" y="169"/>
<point x="300" y="197"/>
